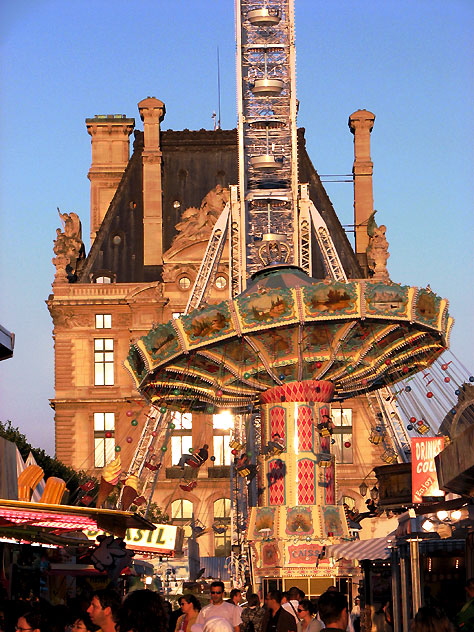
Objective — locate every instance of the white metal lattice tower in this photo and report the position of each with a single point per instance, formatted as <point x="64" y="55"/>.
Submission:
<point x="267" y="138"/>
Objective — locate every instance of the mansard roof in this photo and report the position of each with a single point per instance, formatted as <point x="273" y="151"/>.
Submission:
<point x="194" y="163"/>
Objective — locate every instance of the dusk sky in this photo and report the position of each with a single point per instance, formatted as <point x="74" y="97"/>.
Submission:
<point x="408" y="61"/>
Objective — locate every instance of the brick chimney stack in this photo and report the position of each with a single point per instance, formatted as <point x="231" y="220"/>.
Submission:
<point x="152" y="112"/>
<point x="110" y="144"/>
<point x="361" y="124"/>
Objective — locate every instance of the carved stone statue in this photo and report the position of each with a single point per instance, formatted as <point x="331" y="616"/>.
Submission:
<point x="68" y="248"/>
<point x="377" y="253"/>
<point x="196" y="223"/>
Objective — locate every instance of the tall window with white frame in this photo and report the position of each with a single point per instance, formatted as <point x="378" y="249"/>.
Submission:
<point x="342" y="447"/>
<point x="104" y="438"/>
<point x="222" y="424"/>
<point x="103" y="361"/>
<point x="181" y="439"/>
<point x="221" y="527"/>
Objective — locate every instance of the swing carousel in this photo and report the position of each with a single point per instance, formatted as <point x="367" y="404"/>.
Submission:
<point x="288" y="346"/>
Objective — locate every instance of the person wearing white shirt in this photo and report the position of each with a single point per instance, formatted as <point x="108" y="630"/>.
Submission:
<point x="218" y="609"/>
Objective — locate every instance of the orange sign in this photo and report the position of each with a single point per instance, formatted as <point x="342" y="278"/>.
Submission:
<point x="424" y="480"/>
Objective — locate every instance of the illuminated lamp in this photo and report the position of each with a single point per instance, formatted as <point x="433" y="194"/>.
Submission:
<point x="442" y="515"/>
<point x="428" y="525"/>
<point x="456" y="514"/>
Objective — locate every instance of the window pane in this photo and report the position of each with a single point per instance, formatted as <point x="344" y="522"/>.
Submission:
<point x="99" y="452"/>
<point x="223" y="421"/>
<point x="109" y="421"/>
<point x="104" y="362"/>
<point x="103" y="321"/>
<point x="342" y="416"/>
<point x="99" y="423"/>
<point x="222" y="449"/>
<point x="222" y="508"/>
<point x="180" y="445"/>
<point x="182" y="421"/>
<point x="181" y="509"/>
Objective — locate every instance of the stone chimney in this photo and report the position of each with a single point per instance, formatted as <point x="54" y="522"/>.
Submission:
<point x="110" y="153"/>
<point x="361" y="124"/>
<point x="152" y="112"/>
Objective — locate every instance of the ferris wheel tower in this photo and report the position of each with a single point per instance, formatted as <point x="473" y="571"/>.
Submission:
<point x="267" y="136"/>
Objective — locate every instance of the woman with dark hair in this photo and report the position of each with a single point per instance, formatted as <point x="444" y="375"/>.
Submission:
<point x="252" y="614"/>
<point x="190" y="606"/>
<point x="142" y="611"/>
<point x="307" y="621"/>
<point x="31" y="622"/>
<point x="83" y="623"/>
<point x="429" y="619"/>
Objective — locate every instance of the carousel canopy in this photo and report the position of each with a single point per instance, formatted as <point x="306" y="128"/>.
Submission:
<point x="288" y="327"/>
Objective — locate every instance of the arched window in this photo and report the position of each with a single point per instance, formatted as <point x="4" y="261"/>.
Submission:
<point x="182" y="514"/>
<point x="222" y="527"/>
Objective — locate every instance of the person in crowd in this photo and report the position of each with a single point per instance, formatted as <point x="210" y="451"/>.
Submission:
<point x="31" y="622"/>
<point x="252" y="614"/>
<point x="333" y="610"/>
<point x="218" y="625"/>
<point x="190" y="607"/>
<point x="290" y="601"/>
<point x="218" y="609"/>
<point x="277" y="619"/>
<point x="235" y="596"/>
<point x="465" y="617"/>
<point x="83" y="623"/>
<point x="104" y="608"/>
<point x="431" y="619"/>
<point x="354" y="619"/>
<point x="142" y="611"/>
<point x="307" y="622"/>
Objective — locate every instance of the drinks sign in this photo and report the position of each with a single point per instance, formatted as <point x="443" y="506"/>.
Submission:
<point x="423" y="470"/>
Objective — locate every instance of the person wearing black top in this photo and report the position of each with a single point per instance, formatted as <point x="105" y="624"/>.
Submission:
<point x="277" y="619"/>
<point x="334" y="610"/>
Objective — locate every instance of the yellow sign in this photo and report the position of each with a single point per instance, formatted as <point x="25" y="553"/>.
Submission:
<point x="161" y="540"/>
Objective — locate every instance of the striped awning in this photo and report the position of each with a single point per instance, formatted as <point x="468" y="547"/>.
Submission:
<point x="374" y="549"/>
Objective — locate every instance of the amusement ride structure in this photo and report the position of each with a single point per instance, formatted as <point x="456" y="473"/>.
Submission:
<point x="284" y="345"/>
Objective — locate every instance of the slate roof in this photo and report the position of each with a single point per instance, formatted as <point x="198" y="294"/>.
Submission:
<point x="194" y="162"/>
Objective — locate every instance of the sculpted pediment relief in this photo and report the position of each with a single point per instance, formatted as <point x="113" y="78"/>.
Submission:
<point x="196" y="226"/>
<point x="151" y="292"/>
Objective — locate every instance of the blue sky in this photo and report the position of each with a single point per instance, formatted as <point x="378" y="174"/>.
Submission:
<point x="408" y="61"/>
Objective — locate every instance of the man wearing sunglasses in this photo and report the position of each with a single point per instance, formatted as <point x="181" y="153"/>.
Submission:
<point x="218" y="609"/>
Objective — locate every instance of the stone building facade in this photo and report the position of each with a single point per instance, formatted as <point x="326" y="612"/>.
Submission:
<point x="150" y="217"/>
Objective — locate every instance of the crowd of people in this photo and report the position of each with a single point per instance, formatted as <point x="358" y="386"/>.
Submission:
<point x="147" y="611"/>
